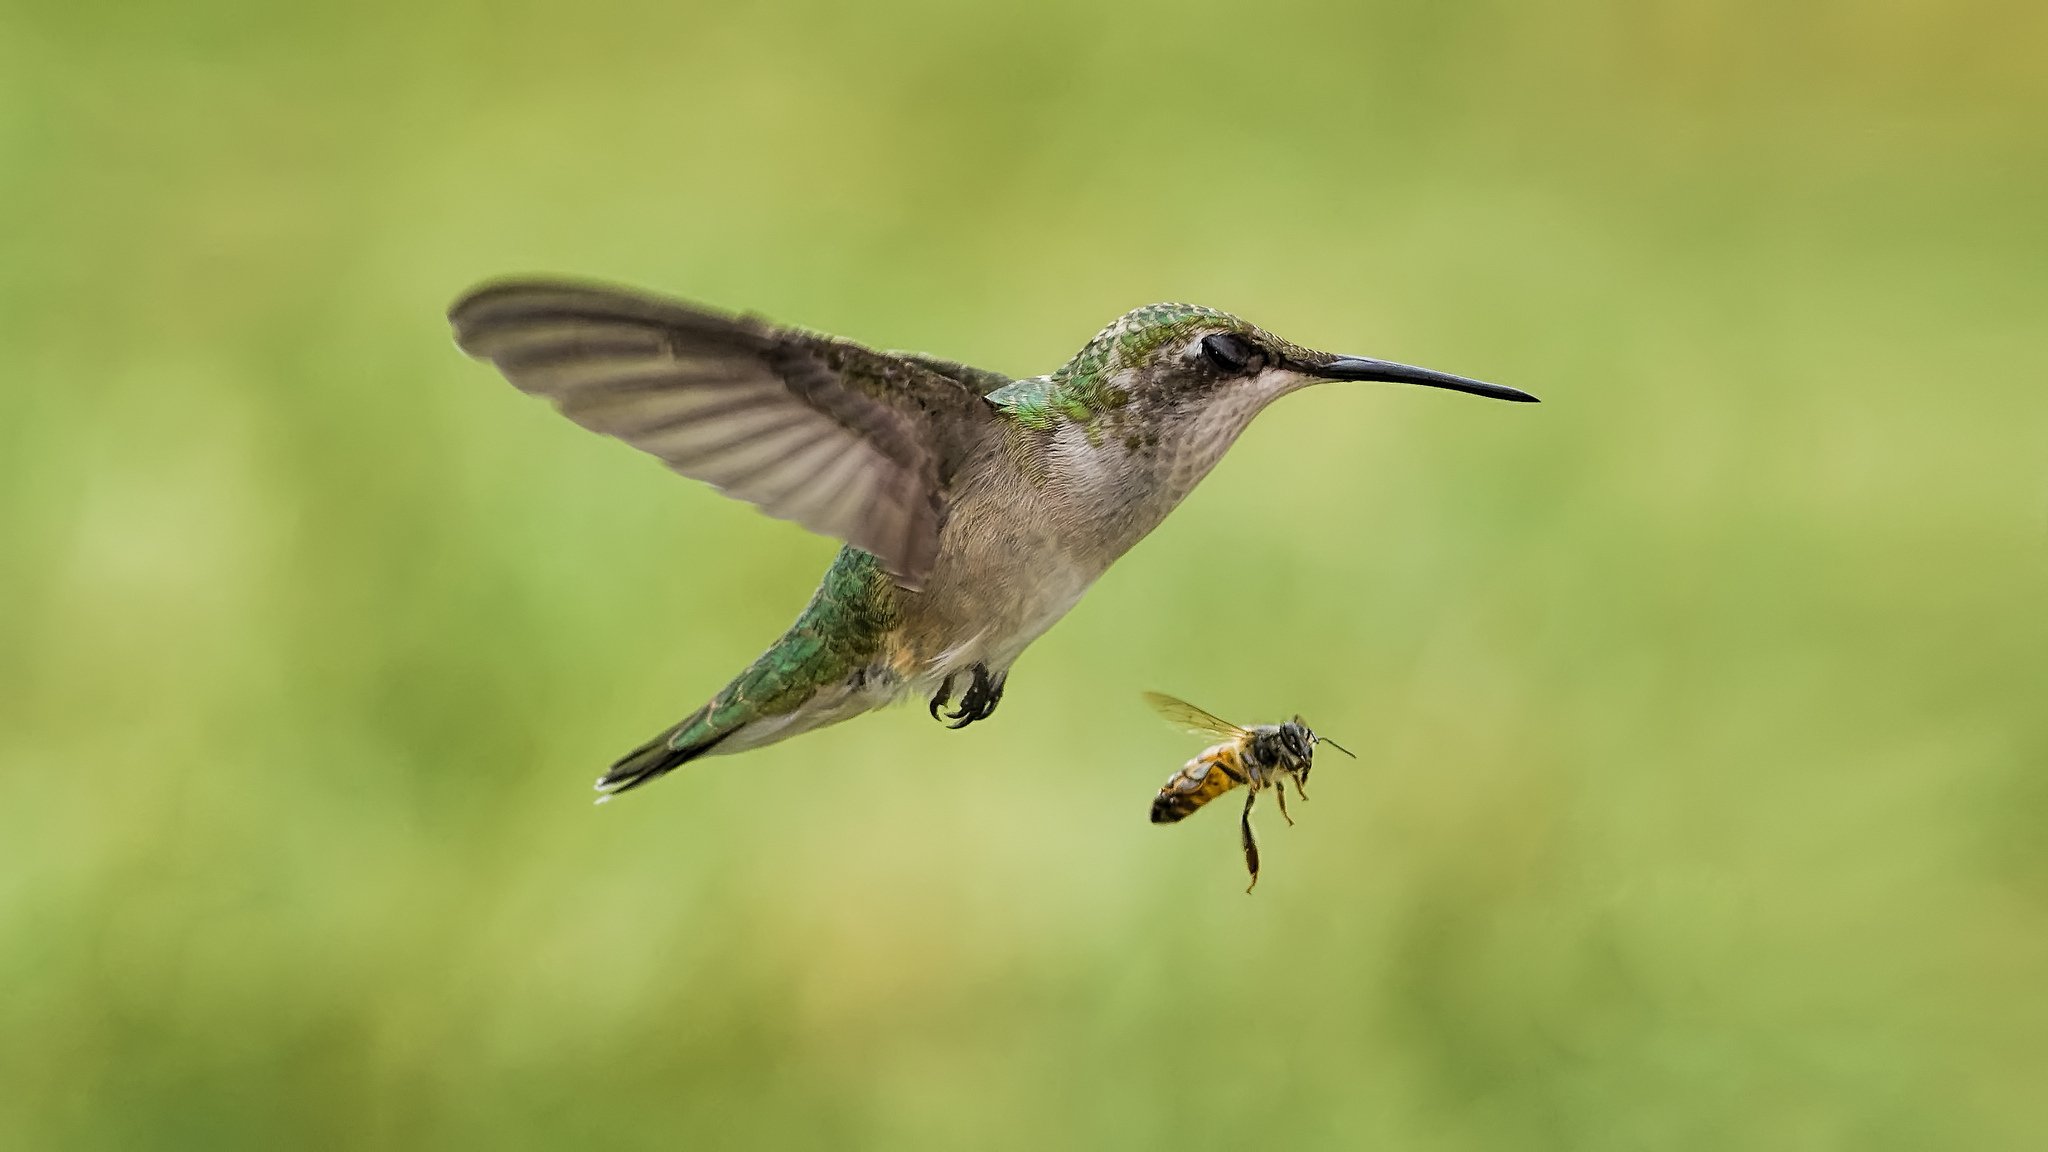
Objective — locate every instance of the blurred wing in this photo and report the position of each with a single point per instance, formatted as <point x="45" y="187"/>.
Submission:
<point x="1185" y="715"/>
<point x="844" y="440"/>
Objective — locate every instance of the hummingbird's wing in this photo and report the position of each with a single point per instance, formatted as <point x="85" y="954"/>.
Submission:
<point x="846" y="441"/>
<point x="982" y="380"/>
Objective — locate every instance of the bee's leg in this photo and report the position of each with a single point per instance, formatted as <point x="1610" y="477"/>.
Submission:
<point x="1251" y="843"/>
<point x="1280" y="792"/>
<point x="1298" y="789"/>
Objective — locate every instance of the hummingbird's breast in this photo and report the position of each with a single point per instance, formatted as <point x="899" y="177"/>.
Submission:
<point x="1038" y="516"/>
<point x="1126" y="473"/>
<point x="1005" y="572"/>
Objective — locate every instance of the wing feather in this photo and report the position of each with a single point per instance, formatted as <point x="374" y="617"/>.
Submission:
<point x="842" y="439"/>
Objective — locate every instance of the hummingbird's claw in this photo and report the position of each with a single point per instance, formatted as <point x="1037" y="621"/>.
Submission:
<point x="978" y="703"/>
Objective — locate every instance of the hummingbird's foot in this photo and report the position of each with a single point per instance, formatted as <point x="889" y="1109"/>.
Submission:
<point x="979" y="702"/>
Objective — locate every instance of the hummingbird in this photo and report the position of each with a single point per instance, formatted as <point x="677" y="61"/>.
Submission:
<point x="975" y="508"/>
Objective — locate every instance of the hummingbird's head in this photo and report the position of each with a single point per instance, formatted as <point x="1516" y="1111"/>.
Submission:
<point x="1180" y="353"/>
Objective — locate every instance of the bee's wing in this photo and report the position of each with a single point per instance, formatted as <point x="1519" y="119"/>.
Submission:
<point x="1186" y="715"/>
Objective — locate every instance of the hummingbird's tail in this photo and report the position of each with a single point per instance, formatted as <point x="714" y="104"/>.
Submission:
<point x="675" y="747"/>
<point x="820" y="672"/>
<point x="790" y="689"/>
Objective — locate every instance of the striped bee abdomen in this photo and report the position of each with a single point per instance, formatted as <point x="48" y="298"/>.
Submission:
<point x="1201" y="780"/>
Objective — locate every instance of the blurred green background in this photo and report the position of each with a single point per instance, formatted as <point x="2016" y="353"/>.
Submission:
<point x="1703" y="792"/>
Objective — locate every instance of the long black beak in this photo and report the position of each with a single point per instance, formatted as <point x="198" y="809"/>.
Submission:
<point x="1362" y="368"/>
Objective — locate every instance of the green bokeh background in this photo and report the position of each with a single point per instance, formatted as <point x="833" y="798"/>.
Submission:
<point x="1702" y="711"/>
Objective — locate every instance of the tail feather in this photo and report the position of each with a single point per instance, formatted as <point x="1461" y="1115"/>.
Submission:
<point x="658" y="757"/>
<point x="839" y="635"/>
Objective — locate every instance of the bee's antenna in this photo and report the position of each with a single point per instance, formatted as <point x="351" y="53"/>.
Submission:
<point x="1321" y="739"/>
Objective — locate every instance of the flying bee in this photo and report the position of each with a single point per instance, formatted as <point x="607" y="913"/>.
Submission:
<point x="1268" y="755"/>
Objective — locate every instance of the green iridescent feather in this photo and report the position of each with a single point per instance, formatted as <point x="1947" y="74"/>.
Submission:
<point x="840" y="632"/>
<point x="1084" y="388"/>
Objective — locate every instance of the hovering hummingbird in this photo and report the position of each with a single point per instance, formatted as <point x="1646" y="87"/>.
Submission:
<point x="976" y="509"/>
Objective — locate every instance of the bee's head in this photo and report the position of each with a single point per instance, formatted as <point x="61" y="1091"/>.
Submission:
<point x="1297" y="746"/>
<point x="1309" y="740"/>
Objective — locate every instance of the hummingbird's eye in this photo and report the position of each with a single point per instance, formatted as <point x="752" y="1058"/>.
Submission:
<point x="1230" y="355"/>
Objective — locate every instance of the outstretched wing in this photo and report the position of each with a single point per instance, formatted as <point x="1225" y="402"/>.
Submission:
<point x="1185" y="715"/>
<point x="844" y="440"/>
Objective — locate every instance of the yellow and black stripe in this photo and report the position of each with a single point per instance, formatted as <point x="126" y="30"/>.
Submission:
<point x="1201" y="780"/>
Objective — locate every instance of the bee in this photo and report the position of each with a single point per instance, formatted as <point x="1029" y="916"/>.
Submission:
<point x="1268" y="755"/>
